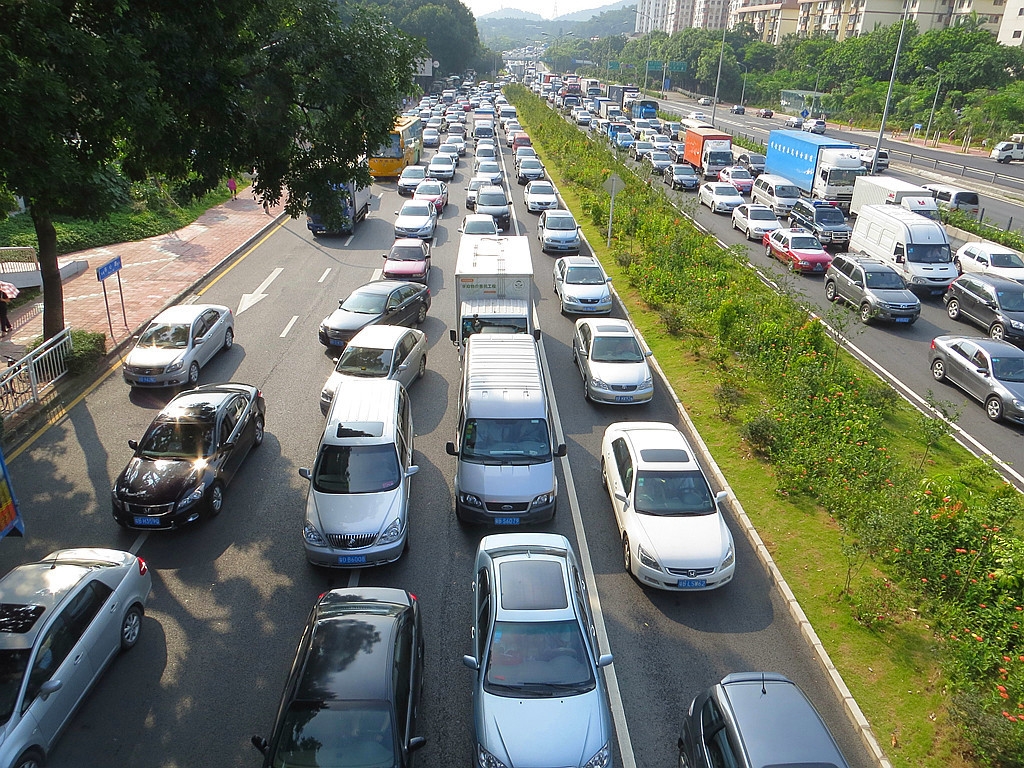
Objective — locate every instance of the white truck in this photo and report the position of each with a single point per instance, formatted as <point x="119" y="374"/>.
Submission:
<point x="886" y="190"/>
<point x="493" y="288"/>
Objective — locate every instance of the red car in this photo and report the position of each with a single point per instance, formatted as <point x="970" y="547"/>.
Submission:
<point x="432" y="191"/>
<point x="738" y="177"/>
<point x="798" y="249"/>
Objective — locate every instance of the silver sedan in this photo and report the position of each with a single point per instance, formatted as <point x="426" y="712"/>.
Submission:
<point x="177" y="343"/>
<point x="379" y="352"/>
<point x="613" y="365"/>
<point x="990" y="371"/>
<point x="754" y="219"/>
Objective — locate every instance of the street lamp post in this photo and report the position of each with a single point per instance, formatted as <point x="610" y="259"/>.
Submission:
<point x="743" y="92"/>
<point x="650" y="41"/>
<point x="888" y="96"/>
<point x="718" y="80"/>
<point x="935" y="101"/>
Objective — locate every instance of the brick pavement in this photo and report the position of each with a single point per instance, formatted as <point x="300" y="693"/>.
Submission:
<point x="154" y="274"/>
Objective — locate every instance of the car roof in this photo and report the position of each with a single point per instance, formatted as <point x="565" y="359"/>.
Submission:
<point x="988" y="248"/>
<point x="195" y="404"/>
<point x="531" y="576"/>
<point x="580" y="261"/>
<point x="607" y="326"/>
<point x="382" y="286"/>
<point x="869" y="264"/>
<point x="657" y="444"/>
<point x="379" y="336"/>
<point x="996" y="281"/>
<point x="186" y="313"/>
<point x="28" y="592"/>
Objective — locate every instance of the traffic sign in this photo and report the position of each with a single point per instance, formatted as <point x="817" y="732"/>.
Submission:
<point x="653" y="66"/>
<point x="917" y="126"/>
<point x="108" y="269"/>
<point x="804" y="113"/>
<point x="613" y="65"/>
<point x="677" y="66"/>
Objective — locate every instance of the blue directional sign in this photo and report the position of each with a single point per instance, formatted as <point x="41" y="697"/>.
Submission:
<point x="917" y="126"/>
<point x="804" y="113"/>
<point x="111" y="267"/>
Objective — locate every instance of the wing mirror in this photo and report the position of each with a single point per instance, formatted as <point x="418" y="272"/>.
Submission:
<point x="133" y="444"/>
<point x="304" y="472"/>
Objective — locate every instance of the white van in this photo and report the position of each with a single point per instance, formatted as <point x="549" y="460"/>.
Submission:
<point x="948" y="197"/>
<point x="917" y="247"/>
<point x="482" y="129"/>
<point x="505" y="473"/>
<point x="357" y="505"/>
<point x="778" y="193"/>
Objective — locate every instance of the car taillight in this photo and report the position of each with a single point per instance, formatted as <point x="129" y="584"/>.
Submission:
<point x="413" y="596"/>
<point x="143" y="568"/>
<point x="933" y="344"/>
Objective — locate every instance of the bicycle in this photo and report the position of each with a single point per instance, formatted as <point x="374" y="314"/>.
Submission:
<point x="14" y="387"/>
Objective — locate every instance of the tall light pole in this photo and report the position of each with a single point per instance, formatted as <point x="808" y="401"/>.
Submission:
<point x="816" y="79"/>
<point x="935" y="101"/>
<point x="718" y="80"/>
<point x="650" y="41"/>
<point x="888" y="96"/>
<point x="557" y="38"/>
<point x="743" y="92"/>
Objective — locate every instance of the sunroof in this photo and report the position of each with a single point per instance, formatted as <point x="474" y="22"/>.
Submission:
<point x="665" y="456"/>
<point x="18" y="618"/>
<point x="361" y="429"/>
<point x="532" y="585"/>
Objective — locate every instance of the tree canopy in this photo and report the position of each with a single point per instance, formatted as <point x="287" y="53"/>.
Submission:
<point x="447" y="28"/>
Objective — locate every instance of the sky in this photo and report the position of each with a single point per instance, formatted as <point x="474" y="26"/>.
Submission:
<point x="549" y="9"/>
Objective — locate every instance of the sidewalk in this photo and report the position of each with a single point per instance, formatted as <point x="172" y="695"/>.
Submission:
<point x="154" y="274"/>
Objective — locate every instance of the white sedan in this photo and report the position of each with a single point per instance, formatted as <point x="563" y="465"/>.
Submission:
<point x="441" y="167"/>
<point x="753" y="220"/>
<point x="540" y="196"/>
<point x="720" y="197"/>
<point x="672" y="531"/>
<point x="990" y="259"/>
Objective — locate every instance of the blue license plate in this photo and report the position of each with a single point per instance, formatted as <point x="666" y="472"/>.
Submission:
<point x="351" y="559"/>
<point x="902" y="319"/>
<point x="147" y="379"/>
<point x="691" y="583"/>
<point x="623" y="398"/>
<point x="145" y="520"/>
<point x="338" y="342"/>
<point x="818" y="267"/>
<point x="506" y="521"/>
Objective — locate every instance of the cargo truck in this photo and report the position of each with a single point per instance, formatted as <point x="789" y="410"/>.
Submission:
<point x="822" y="168"/>
<point x="618" y="93"/>
<point x="885" y="190"/>
<point x="350" y="203"/>
<point x="493" y="288"/>
<point x="708" y="151"/>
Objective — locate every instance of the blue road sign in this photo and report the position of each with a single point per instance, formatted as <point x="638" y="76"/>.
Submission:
<point x="804" y="113"/>
<point x="111" y="267"/>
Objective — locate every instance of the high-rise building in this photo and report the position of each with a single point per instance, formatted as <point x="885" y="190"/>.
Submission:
<point x="1011" y="29"/>
<point x="773" y="19"/>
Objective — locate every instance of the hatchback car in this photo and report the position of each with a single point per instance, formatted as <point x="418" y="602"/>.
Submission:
<point x="990" y="371"/>
<point x="681" y="176"/>
<point x="873" y="287"/>
<point x="416" y="218"/>
<point x="529" y="169"/>
<point x="379" y="352"/>
<point x="755" y="720"/>
<point x="558" y="231"/>
<point x="63" y="620"/>
<point x="411" y="176"/>
<point x="353" y="694"/>
<point x="489" y="169"/>
<point x="738" y="177"/>
<point x="671" y="526"/>
<point x="177" y="343"/>
<point x="493" y="202"/>
<point x="187" y="456"/>
<point x="614" y="367"/>
<point x="989" y="259"/>
<point x="384" y="302"/>
<point x="540" y="196"/>
<point x="581" y="285"/>
<point x="754" y="220"/>
<point x="441" y="167"/>
<point x="993" y="303"/>
<point x="719" y="197"/>
<point x="814" y="126"/>
<point x="798" y="249"/>
<point x="408" y="259"/>
<point x="432" y="191"/>
<point x="538" y="694"/>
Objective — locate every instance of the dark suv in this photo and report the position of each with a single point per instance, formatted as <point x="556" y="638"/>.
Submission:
<point x="754" y="720"/>
<point x="993" y="303"/>
<point x="492" y="200"/>
<point x="823" y="219"/>
<point x="872" y="286"/>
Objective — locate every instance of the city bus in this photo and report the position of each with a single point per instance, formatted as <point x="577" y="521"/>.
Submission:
<point x="403" y="148"/>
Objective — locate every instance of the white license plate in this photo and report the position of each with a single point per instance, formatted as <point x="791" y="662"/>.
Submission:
<point x="623" y="398"/>
<point x="145" y="520"/>
<point x="506" y="521"/>
<point x="351" y="559"/>
<point x="147" y="379"/>
<point x="691" y="583"/>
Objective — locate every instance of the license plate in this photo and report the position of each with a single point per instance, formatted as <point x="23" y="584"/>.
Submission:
<point x="351" y="559"/>
<point x="338" y="342"/>
<point x="818" y="267"/>
<point x="506" y="521"/>
<point x="147" y="379"/>
<point x="144" y="520"/>
<point x="691" y="583"/>
<point x="623" y="398"/>
<point x="902" y="319"/>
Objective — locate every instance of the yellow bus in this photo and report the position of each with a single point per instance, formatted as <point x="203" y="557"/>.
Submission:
<point x="403" y="148"/>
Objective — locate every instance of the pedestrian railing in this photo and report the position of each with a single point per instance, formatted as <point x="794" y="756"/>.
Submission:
<point x="24" y="381"/>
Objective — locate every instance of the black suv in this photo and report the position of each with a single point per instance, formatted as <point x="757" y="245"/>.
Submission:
<point x="492" y="200"/>
<point x="353" y="693"/>
<point x="993" y="303"/>
<point x="823" y="219"/>
<point x="875" y="288"/>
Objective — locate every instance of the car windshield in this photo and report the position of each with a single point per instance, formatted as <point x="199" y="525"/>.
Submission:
<point x="660" y="157"/>
<point x="719" y="157"/>
<point x="739" y="173"/>
<point x="1011" y="300"/>
<point x="328" y="732"/>
<point x="885" y="281"/>
<point x="756" y="160"/>
<point x="560" y="223"/>
<point x="491" y="198"/>
<point x="165" y="336"/>
<point x="416" y="209"/>
<point x="929" y="253"/>
<point x="805" y="244"/>
<point x="542" y="189"/>
<point x="365" y="303"/>
<point x="785" y="190"/>
<point x="178" y="439"/>
<point x="414" y="172"/>
<point x="537" y="660"/>
<point x="529" y="162"/>
<point x="371" y="362"/>
<point x="760" y="214"/>
<point x="406" y="253"/>
<point x="441" y="160"/>
<point x="683" y="170"/>
<point x="844" y="177"/>
<point x="616" y="349"/>
<point x="1007" y="260"/>
<point x="480" y="227"/>
<point x="829" y="214"/>
<point x="487" y="168"/>
<point x="428" y="188"/>
<point x="356" y="469"/>
<point x="584" y="276"/>
<point x="1009" y="368"/>
<point x="506" y="441"/>
<point x="13" y="664"/>
<point x="726" y="190"/>
<point x="673" y="493"/>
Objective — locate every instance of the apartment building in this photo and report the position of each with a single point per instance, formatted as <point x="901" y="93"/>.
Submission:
<point x="710" y="14"/>
<point x="772" y="20"/>
<point x="1011" y="30"/>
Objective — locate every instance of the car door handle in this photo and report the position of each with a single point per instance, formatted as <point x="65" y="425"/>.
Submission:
<point x="78" y="658"/>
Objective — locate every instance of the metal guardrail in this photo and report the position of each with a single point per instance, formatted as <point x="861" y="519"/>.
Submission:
<point x="25" y="380"/>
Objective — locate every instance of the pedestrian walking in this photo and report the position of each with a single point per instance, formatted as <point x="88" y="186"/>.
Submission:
<point x="233" y="186"/>
<point x="5" y="323"/>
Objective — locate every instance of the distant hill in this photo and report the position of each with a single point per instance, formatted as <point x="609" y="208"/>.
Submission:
<point x="510" y="13"/>
<point x="587" y="15"/>
<point x="501" y="31"/>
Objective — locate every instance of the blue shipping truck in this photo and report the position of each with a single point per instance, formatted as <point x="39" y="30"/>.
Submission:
<point x="822" y="168"/>
<point x="644" y="109"/>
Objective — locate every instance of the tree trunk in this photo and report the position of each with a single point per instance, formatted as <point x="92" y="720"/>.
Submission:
<point x="53" y="291"/>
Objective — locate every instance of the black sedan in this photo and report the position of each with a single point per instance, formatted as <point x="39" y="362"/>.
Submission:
<point x="352" y="697"/>
<point x="388" y="302"/>
<point x="188" y="455"/>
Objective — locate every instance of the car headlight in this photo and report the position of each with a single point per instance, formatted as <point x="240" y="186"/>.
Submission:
<point x="542" y="500"/>
<point x="647" y="382"/>
<point x="192" y="498"/>
<point x="116" y="501"/>
<point x="1017" y="324"/>
<point x="597" y="383"/>
<point x="312" y="535"/>
<point x="804" y="263"/>
<point x="391" y="533"/>
<point x="471" y="500"/>
<point x="647" y="559"/>
<point x="601" y="759"/>
<point x="571" y="299"/>
<point x="486" y="759"/>
<point x="917" y="279"/>
<point x="730" y="557"/>
<point x="176" y="365"/>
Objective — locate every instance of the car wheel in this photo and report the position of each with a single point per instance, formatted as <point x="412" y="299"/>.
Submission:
<point x="830" y="291"/>
<point x="423" y="367"/>
<point x="768" y="251"/>
<point x="627" y="556"/>
<point x="586" y="386"/>
<point x="749" y="235"/>
<point x="258" y="432"/>
<point x="215" y="499"/>
<point x="994" y="408"/>
<point x="865" y="313"/>
<point x="229" y="338"/>
<point x="131" y="628"/>
<point x="959" y="267"/>
<point x="938" y="369"/>
<point x="422" y="314"/>
<point x="193" y="374"/>
<point x="31" y="759"/>
<point x="997" y="332"/>
<point x="953" y="309"/>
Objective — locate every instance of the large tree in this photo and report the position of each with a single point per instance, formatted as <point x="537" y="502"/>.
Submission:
<point x="447" y="27"/>
<point x="98" y="91"/>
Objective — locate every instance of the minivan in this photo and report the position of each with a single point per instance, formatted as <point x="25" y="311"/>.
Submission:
<point x="948" y="197"/>
<point x="357" y="505"/>
<point x="505" y="471"/>
<point x="778" y="193"/>
<point x="482" y="130"/>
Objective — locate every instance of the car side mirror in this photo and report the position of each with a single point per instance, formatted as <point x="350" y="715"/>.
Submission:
<point x="471" y="662"/>
<point x="560" y="450"/>
<point x="721" y="496"/>
<point x="983" y="372"/>
<point x="50" y="686"/>
<point x="453" y="336"/>
<point x="536" y="334"/>
<point x="133" y="444"/>
<point x="415" y="743"/>
<point x="384" y="255"/>
<point x="304" y="472"/>
<point x="412" y="470"/>
<point x="396" y="213"/>
<point x="604" y="660"/>
<point x="261" y="744"/>
<point x="449" y="448"/>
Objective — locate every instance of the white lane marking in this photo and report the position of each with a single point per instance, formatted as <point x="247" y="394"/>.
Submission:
<point x="611" y="681"/>
<point x="377" y="274"/>
<point x="324" y="275"/>
<point x="249" y="299"/>
<point x="289" y="326"/>
<point x="507" y="183"/>
<point x="137" y="544"/>
<point x="348" y="240"/>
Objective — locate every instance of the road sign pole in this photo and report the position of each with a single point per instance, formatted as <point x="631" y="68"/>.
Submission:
<point x="120" y="290"/>
<point x="107" y="305"/>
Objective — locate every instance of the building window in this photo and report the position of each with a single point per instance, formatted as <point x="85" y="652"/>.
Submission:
<point x="1016" y="34"/>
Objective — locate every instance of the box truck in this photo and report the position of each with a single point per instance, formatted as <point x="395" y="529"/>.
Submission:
<point x="885" y="190"/>
<point x="822" y="168"/>
<point x="916" y="247"/>
<point x="708" y="151"/>
<point x="338" y="215"/>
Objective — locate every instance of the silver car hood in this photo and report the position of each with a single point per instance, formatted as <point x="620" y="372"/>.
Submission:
<point x="154" y="357"/>
<point x="506" y="482"/>
<point x="621" y="373"/>
<point x="412" y="222"/>
<point x="354" y="513"/>
<point x="896" y="296"/>
<point x="586" y="291"/>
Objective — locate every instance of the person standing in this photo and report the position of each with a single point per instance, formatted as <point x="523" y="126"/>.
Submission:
<point x="5" y="324"/>
<point x="233" y="186"/>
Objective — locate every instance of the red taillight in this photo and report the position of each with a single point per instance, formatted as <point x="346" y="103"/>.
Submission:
<point x="143" y="568"/>
<point x="413" y="596"/>
<point x="259" y="394"/>
<point x="933" y="344"/>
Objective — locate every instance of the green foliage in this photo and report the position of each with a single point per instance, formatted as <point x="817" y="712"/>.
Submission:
<point x="446" y="26"/>
<point x="87" y="350"/>
<point x="961" y="220"/>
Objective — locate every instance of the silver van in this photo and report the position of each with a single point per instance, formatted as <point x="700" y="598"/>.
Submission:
<point x="357" y="505"/>
<point x="505" y="473"/>
<point x="778" y="193"/>
<point x="948" y="197"/>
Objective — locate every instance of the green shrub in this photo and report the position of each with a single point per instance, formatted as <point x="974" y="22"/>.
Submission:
<point x="87" y="350"/>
